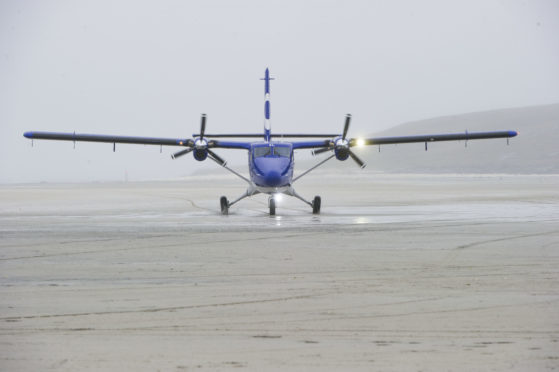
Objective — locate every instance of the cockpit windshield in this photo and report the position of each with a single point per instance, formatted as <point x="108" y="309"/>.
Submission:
<point x="261" y="151"/>
<point x="281" y="151"/>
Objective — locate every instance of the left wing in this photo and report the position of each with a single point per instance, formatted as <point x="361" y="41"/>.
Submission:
<point x="341" y="145"/>
<point x="351" y="142"/>
<point x="431" y="138"/>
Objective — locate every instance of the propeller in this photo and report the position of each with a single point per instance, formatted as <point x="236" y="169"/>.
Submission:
<point x="346" y="126"/>
<point x="202" y="125"/>
<point x="181" y="153"/>
<point x="217" y="158"/>
<point x="359" y="162"/>
<point x="201" y="146"/>
<point x="342" y="146"/>
<point x="321" y="150"/>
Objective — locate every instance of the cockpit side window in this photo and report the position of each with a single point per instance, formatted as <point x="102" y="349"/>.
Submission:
<point x="261" y="151"/>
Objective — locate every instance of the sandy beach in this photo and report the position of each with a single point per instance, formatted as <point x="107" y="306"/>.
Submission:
<point x="398" y="272"/>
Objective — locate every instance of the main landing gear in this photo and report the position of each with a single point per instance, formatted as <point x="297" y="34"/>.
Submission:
<point x="224" y="205"/>
<point x="316" y="205"/>
<point x="272" y="202"/>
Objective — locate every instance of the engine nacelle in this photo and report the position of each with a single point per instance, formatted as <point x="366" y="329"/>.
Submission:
<point x="200" y="154"/>
<point x="341" y="148"/>
<point x="200" y="151"/>
<point x="342" y="153"/>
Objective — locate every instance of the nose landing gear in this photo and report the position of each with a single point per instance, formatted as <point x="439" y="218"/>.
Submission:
<point x="272" y="205"/>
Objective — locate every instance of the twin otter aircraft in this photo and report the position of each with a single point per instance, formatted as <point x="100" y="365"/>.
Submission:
<point x="270" y="158"/>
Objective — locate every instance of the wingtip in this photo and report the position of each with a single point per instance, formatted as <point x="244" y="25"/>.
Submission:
<point x="28" y="134"/>
<point x="513" y="133"/>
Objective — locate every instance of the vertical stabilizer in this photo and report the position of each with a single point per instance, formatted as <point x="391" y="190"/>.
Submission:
<point x="267" y="126"/>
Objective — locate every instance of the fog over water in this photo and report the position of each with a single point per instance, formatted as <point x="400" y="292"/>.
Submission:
<point x="151" y="68"/>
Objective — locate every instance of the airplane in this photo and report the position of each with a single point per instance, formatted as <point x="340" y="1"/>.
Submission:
<point x="270" y="157"/>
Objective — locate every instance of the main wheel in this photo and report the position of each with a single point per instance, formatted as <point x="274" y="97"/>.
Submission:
<point x="272" y="204"/>
<point x="316" y="205"/>
<point x="224" y="205"/>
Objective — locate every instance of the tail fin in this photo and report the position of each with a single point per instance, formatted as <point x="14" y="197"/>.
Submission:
<point x="267" y="126"/>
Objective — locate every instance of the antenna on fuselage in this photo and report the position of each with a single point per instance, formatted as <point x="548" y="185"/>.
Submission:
<point x="267" y="126"/>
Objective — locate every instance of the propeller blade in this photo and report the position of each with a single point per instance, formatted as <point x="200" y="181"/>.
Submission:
<point x="181" y="153"/>
<point x="321" y="150"/>
<point x="217" y="158"/>
<point x="357" y="160"/>
<point x="202" y="125"/>
<point x="346" y="125"/>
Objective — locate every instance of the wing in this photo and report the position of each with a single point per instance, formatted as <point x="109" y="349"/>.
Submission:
<point x="330" y="144"/>
<point x="431" y="138"/>
<point x="311" y="144"/>
<point x="132" y="140"/>
<point x="107" y="138"/>
<point x="229" y="144"/>
<point x="342" y="146"/>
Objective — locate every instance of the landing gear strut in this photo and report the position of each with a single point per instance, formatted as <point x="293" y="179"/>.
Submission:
<point x="316" y="205"/>
<point x="224" y="205"/>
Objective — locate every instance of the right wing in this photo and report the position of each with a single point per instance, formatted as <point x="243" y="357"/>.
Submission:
<point x="108" y="138"/>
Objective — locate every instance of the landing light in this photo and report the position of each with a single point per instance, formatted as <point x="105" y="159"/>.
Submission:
<point x="360" y="142"/>
<point x="278" y="197"/>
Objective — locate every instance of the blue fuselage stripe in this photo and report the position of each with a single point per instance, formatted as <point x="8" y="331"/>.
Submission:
<point x="267" y="109"/>
<point x="267" y="82"/>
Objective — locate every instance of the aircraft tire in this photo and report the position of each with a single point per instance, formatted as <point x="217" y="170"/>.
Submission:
<point x="316" y="205"/>
<point x="224" y="203"/>
<point x="272" y="207"/>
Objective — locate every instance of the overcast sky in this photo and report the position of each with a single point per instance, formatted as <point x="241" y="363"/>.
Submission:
<point x="151" y="67"/>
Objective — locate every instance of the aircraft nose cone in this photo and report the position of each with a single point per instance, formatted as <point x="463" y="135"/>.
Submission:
<point x="273" y="178"/>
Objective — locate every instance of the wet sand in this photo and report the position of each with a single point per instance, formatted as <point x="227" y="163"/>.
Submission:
<point x="399" y="272"/>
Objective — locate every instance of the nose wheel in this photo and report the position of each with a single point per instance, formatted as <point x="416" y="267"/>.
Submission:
<point x="272" y="205"/>
<point x="224" y="205"/>
<point x="316" y="205"/>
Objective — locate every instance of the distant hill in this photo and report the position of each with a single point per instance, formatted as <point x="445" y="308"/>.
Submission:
<point x="534" y="150"/>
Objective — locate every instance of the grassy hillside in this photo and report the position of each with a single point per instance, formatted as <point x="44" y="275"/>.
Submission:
<point x="534" y="150"/>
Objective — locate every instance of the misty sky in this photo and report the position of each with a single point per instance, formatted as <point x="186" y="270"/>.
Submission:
<point x="150" y="68"/>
